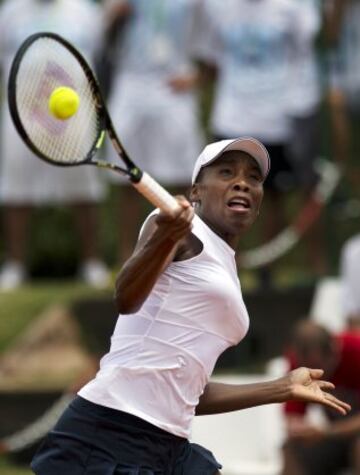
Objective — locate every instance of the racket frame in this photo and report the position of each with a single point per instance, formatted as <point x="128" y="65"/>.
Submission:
<point x="104" y="122"/>
<point x="143" y="182"/>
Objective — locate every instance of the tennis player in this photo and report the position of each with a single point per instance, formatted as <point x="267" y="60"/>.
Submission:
<point x="180" y="307"/>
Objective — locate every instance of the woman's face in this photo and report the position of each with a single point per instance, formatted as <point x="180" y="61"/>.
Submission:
<point x="229" y="194"/>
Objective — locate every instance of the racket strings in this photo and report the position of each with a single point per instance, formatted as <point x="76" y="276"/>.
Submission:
<point x="46" y="66"/>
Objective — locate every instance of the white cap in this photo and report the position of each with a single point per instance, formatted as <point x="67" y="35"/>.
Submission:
<point x="244" y="144"/>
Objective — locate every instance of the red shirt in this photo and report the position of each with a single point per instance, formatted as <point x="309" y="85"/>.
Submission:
<point x="346" y="376"/>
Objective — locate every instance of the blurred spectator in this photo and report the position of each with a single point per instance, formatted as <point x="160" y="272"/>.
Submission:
<point x="268" y="87"/>
<point x="350" y="281"/>
<point x="306" y="94"/>
<point x="25" y="181"/>
<point x="328" y="449"/>
<point x="343" y="26"/>
<point x="343" y="30"/>
<point x="153" y="101"/>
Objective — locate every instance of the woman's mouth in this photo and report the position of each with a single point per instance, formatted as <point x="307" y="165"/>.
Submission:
<point x="239" y="204"/>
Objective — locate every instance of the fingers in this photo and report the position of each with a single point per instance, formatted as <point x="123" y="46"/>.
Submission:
<point x="184" y="212"/>
<point x="326" y="385"/>
<point x="184" y="205"/>
<point x="340" y="406"/>
<point x="316" y="373"/>
<point x="178" y="224"/>
<point x="327" y="398"/>
<point x="183" y="202"/>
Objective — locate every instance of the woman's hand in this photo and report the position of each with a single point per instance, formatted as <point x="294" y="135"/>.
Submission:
<point x="305" y="385"/>
<point x="178" y="225"/>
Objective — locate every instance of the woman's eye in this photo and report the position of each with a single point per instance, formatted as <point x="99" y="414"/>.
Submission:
<point x="225" y="171"/>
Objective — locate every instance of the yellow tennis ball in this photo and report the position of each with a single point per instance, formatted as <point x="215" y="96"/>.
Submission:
<point x="63" y="103"/>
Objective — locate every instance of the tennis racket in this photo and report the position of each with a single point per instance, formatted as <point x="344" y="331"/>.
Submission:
<point x="44" y="62"/>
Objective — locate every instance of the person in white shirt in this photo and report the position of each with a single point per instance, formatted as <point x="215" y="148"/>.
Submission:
<point x="25" y="181"/>
<point x="181" y="306"/>
<point x="154" y="95"/>
<point x="306" y="94"/>
<point x="344" y="97"/>
<point x="267" y="86"/>
<point x="343" y="25"/>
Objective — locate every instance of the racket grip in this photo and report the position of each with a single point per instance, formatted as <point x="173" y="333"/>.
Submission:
<point x="156" y="194"/>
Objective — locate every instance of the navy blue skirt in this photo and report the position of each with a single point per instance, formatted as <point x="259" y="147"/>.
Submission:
<point x="95" y="440"/>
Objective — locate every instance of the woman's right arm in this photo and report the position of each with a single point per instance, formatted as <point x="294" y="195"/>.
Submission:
<point x="161" y="238"/>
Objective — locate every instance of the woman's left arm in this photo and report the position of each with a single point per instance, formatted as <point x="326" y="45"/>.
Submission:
<point x="301" y="384"/>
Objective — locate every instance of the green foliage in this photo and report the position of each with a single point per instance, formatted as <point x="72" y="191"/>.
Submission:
<point x="19" y="308"/>
<point x="7" y="468"/>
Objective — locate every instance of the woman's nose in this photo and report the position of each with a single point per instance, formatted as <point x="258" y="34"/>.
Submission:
<point x="241" y="185"/>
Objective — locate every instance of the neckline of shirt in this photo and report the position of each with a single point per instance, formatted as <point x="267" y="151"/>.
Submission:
<point x="222" y="242"/>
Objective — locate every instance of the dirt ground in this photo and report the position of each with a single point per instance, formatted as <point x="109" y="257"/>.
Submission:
<point x="48" y="355"/>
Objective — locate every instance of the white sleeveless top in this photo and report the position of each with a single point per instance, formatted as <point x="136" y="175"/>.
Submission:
<point x="162" y="356"/>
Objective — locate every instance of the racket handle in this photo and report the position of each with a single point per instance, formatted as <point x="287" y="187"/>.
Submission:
<point x="156" y="194"/>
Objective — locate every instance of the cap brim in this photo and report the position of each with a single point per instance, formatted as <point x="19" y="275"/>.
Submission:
<point x="249" y="145"/>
